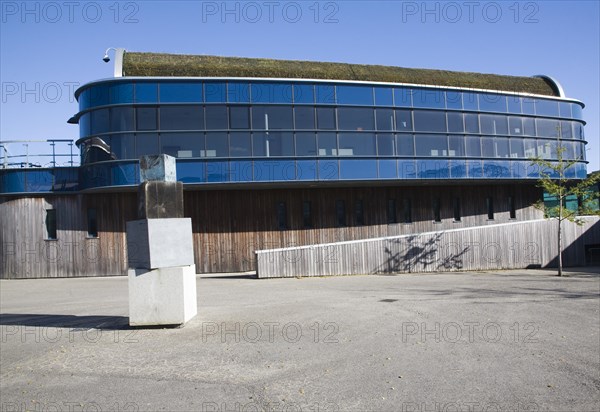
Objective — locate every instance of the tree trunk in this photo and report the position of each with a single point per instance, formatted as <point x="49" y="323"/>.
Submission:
<point x="560" y="213"/>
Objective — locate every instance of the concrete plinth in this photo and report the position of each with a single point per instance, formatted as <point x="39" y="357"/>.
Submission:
<point x="164" y="296"/>
<point x="159" y="243"/>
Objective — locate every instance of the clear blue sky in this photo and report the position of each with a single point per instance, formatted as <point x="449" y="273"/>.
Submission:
<point x="47" y="47"/>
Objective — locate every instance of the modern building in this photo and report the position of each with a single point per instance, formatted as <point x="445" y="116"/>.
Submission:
<point x="281" y="153"/>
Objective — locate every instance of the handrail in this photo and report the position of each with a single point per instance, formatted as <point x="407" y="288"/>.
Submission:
<point x="17" y="153"/>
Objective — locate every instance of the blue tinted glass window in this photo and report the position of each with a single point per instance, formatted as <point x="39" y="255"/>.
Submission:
<point x="274" y="170"/>
<point x="182" y="145"/>
<point x="354" y="118"/>
<point x="492" y="124"/>
<point x="454" y="100"/>
<point x="272" y="93"/>
<point x="547" y="127"/>
<point x="545" y="107"/>
<point x="327" y="144"/>
<point x="304" y="93"/>
<point x="429" y="98"/>
<point x="385" y="144"/>
<point x="384" y="96"/>
<point x="84" y="100"/>
<point x="492" y="103"/>
<point x="238" y="92"/>
<point x="277" y="117"/>
<point x="433" y="169"/>
<point x="473" y="146"/>
<point x="325" y="94"/>
<point x="405" y="145"/>
<point x="216" y="118"/>
<point x="325" y="118"/>
<point x="528" y="126"/>
<point x="578" y="131"/>
<point x="121" y="93"/>
<point x="515" y="126"/>
<point x="528" y="105"/>
<point x="306" y="170"/>
<point x="457" y="146"/>
<point x="99" y="95"/>
<point x="146" y="144"/>
<point x="502" y="147"/>
<point x="388" y="169"/>
<point x="181" y="92"/>
<point x="385" y="119"/>
<point x="458" y="169"/>
<point x="488" y="148"/>
<point x="403" y="97"/>
<point x="356" y="144"/>
<point x="431" y="145"/>
<point x="404" y="121"/>
<point x="516" y="148"/>
<point x="304" y="117"/>
<point x="239" y="117"/>
<point x="191" y="172"/>
<point x="328" y="170"/>
<point x="456" y="122"/>
<point x="217" y="171"/>
<point x="358" y="169"/>
<point x="564" y="109"/>
<point x="471" y="123"/>
<point x="121" y="119"/>
<point x="355" y="95"/>
<point x="430" y="121"/>
<point x="241" y="171"/>
<point x="474" y="168"/>
<point x="514" y="104"/>
<point x="470" y="101"/>
<point x="216" y="145"/>
<point x="306" y="144"/>
<point x="122" y="146"/>
<point x="146" y="93"/>
<point x="273" y="144"/>
<point x="566" y="131"/>
<point x="84" y="125"/>
<point x="100" y="121"/>
<point x="240" y="144"/>
<point x="407" y="169"/>
<point x="496" y="169"/>
<point x="214" y="92"/>
<point x="577" y="111"/>
<point x="530" y="146"/>
<point x="181" y="118"/>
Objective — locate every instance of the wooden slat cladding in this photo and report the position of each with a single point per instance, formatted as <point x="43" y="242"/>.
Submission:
<point x="502" y="246"/>
<point x="229" y="225"/>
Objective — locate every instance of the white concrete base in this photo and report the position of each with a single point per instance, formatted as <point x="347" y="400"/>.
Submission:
<point x="164" y="296"/>
<point x="160" y="243"/>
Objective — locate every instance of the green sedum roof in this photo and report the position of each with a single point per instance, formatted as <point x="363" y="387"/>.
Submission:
<point x="167" y="65"/>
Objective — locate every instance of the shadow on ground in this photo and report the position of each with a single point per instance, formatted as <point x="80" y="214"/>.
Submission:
<point x="65" y="321"/>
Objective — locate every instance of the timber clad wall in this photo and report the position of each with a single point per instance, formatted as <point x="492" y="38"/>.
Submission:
<point x="229" y="225"/>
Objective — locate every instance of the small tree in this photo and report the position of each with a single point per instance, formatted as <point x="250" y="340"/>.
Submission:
<point x="554" y="182"/>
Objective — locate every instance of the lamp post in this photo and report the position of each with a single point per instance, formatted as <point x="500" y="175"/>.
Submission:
<point x="119" y="52"/>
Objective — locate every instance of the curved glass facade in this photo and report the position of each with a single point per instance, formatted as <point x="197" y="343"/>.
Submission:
<point x="228" y="131"/>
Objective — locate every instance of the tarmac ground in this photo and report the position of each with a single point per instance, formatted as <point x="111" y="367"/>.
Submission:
<point x="519" y="340"/>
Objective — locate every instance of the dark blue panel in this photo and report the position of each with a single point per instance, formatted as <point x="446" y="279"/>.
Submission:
<point x="325" y="94"/>
<point x="125" y="174"/>
<point x="545" y="107"/>
<point x="388" y="169"/>
<point x="360" y="95"/>
<point x="407" y="169"/>
<point x="548" y="172"/>
<point x="274" y="170"/>
<point x="403" y="97"/>
<point x="429" y="98"/>
<point x="492" y="103"/>
<point x="217" y="171"/>
<point x="580" y="170"/>
<point x="384" y="96"/>
<point x="433" y="169"/>
<point x="577" y="111"/>
<point x="532" y="170"/>
<point x="191" y="171"/>
<point x="146" y="93"/>
<point x="240" y="171"/>
<point x="95" y="175"/>
<point x="12" y="181"/>
<point x="271" y="93"/>
<point x="328" y="170"/>
<point x="353" y="169"/>
<point x="238" y="92"/>
<point x="121" y="93"/>
<point x="214" y="92"/>
<point x="454" y="100"/>
<point x="99" y="95"/>
<point x="84" y="125"/>
<point x="84" y="100"/>
<point x="66" y="179"/>
<point x="458" y="169"/>
<point x="519" y="169"/>
<point x="304" y="93"/>
<point x="181" y="92"/>
<point x="39" y="181"/>
<point x="496" y="169"/>
<point x="306" y="170"/>
<point x="474" y="169"/>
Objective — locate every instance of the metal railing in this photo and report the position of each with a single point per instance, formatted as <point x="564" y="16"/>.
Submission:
<point x="37" y="153"/>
